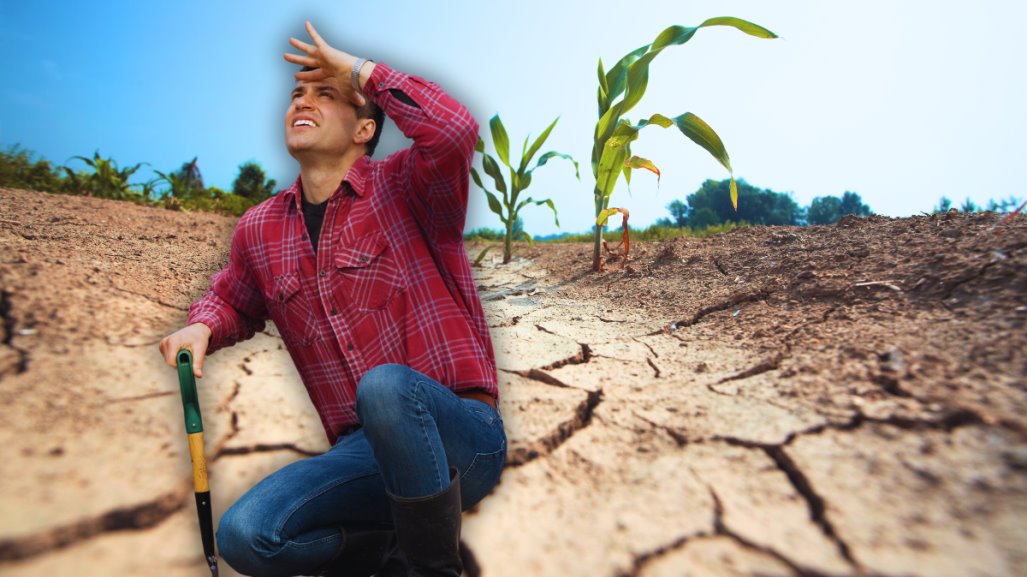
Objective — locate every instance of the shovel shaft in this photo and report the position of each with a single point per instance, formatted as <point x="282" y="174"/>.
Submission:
<point x="194" y="427"/>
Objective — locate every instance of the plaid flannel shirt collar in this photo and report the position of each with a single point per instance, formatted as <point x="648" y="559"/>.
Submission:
<point x="356" y="177"/>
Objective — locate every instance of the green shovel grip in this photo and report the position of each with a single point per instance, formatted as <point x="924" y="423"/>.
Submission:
<point x="190" y="401"/>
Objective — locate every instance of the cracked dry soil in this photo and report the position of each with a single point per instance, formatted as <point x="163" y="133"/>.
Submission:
<point x="841" y="400"/>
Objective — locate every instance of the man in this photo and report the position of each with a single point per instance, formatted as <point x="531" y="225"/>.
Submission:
<point x="361" y="265"/>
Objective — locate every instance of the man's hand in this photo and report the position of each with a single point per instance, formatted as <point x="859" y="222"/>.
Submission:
<point x="329" y="62"/>
<point x="195" y="338"/>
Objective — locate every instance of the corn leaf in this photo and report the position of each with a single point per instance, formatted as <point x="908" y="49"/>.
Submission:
<point x="734" y="193"/>
<point x="611" y="162"/>
<point x="492" y="169"/>
<point x="531" y="241"/>
<point x="743" y="25"/>
<point x="639" y="162"/>
<point x="476" y="178"/>
<point x="546" y="201"/>
<point x="617" y="75"/>
<point x="552" y="154"/>
<point x="606" y="214"/>
<point x="481" y="255"/>
<point x="526" y="157"/>
<point x="500" y="139"/>
<point x="702" y="134"/>
<point x="495" y="206"/>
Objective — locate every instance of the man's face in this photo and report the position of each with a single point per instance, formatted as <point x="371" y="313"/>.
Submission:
<point x="319" y="120"/>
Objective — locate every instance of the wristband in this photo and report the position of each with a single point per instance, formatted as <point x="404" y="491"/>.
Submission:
<point x="356" y="72"/>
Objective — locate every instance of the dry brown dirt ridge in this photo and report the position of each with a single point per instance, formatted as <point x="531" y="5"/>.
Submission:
<point x="839" y="400"/>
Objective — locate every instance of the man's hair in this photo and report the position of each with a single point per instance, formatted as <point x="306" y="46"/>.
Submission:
<point x="368" y="110"/>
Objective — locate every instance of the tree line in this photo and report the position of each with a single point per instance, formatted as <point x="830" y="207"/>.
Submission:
<point x="711" y="206"/>
<point x="103" y="177"/>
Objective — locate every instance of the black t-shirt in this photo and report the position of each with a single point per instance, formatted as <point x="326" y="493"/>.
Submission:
<point x="314" y="215"/>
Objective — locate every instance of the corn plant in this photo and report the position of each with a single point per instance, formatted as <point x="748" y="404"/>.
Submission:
<point x="520" y="179"/>
<point x="611" y="150"/>
<point x="106" y="180"/>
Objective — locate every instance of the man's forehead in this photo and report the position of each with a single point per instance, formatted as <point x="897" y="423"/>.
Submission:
<point x="329" y="82"/>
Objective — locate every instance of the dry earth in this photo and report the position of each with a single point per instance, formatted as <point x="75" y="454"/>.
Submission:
<point x="842" y="400"/>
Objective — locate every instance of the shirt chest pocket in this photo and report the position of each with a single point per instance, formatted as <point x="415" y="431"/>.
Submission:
<point x="368" y="274"/>
<point x="290" y="310"/>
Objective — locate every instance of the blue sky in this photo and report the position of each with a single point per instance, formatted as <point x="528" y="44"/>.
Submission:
<point x="901" y="102"/>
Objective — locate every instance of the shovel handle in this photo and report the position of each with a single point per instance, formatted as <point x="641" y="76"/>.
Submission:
<point x="190" y="402"/>
<point x="194" y="427"/>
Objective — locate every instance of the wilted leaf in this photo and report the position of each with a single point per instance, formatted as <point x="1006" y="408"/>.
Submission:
<point x="639" y="162"/>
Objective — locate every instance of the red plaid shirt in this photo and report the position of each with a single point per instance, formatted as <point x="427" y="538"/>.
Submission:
<point x="390" y="282"/>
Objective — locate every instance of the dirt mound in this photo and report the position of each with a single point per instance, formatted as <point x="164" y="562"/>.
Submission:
<point x="838" y="400"/>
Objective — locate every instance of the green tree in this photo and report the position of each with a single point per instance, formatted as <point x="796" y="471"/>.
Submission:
<point x="252" y="182"/>
<point x="520" y="179"/>
<point x="758" y="206"/>
<point x="678" y="213"/>
<point x="944" y="205"/>
<point x="852" y="204"/>
<point x="968" y="206"/>
<point x="611" y="149"/>
<point x="824" y="210"/>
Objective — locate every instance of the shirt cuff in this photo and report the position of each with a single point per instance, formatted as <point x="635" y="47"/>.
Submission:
<point x="216" y="318"/>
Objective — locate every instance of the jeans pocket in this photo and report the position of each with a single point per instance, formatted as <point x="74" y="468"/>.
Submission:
<point x="481" y="476"/>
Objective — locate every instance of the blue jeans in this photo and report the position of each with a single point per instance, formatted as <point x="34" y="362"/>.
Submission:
<point x="413" y="430"/>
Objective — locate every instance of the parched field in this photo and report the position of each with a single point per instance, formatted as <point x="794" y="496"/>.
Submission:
<point x="840" y="400"/>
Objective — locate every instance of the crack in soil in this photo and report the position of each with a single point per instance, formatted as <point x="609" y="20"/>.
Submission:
<point x="679" y="438"/>
<point x="549" y="443"/>
<point x="142" y="516"/>
<point x="762" y="367"/>
<point x="648" y="346"/>
<point x="737" y="299"/>
<point x="817" y="507"/>
<point x="640" y="561"/>
<point x="545" y="330"/>
<point x="22" y="363"/>
<point x="264" y="448"/>
<point x="583" y="356"/>
<point x="656" y="369"/>
<point x="720" y="528"/>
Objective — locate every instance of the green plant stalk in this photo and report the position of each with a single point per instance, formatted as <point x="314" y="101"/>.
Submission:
<point x="519" y="179"/>
<point x="628" y="79"/>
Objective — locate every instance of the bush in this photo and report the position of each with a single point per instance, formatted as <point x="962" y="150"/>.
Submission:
<point x="20" y="169"/>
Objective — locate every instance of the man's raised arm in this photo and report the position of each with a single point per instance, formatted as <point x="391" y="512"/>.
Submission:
<point x="443" y="131"/>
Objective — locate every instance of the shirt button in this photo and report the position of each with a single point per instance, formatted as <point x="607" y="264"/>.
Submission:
<point x="323" y="272"/>
<point x="381" y="85"/>
<point x="333" y="312"/>
<point x="363" y="259"/>
<point x="304" y="236"/>
<point x="349" y="347"/>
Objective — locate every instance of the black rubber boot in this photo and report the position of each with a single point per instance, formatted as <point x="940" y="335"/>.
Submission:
<point x="362" y="554"/>
<point x="428" y="531"/>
